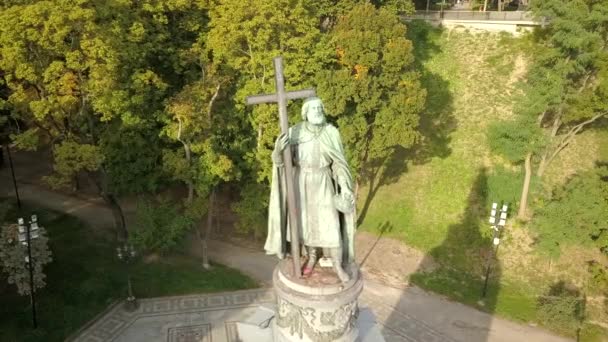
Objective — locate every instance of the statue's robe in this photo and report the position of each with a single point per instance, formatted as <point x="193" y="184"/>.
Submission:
<point x="320" y="173"/>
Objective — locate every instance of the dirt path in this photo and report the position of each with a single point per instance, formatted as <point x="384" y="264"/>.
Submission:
<point x="406" y="312"/>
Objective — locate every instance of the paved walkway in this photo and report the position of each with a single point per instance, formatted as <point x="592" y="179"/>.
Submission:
<point x="409" y="314"/>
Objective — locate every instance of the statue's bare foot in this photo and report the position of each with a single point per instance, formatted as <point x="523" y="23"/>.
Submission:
<point x="310" y="265"/>
<point x="307" y="271"/>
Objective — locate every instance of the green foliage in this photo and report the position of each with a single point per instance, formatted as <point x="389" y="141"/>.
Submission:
<point x="252" y="209"/>
<point x="244" y="37"/>
<point x="27" y="140"/>
<point x="397" y="6"/>
<point x="202" y="161"/>
<point x="515" y="139"/>
<point x="598" y="277"/>
<point x="72" y="158"/>
<point x="132" y="160"/>
<point x="160" y="227"/>
<point x="13" y="255"/>
<point x="503" y="185"/>
<point x="371" y="89"/>
<point x="562" y="308"/>
<point x="566" y="89"/>
<point x="576" y="215"/>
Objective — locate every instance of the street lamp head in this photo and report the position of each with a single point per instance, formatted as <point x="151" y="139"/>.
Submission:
<point x="132" y="251"/>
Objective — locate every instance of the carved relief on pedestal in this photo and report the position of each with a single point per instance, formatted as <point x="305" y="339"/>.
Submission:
<point x="318" y="325"/>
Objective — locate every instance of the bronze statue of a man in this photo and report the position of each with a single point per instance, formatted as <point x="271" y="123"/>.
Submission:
<point x="323" y="188"/>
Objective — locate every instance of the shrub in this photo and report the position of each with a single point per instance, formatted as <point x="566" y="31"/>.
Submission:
<point x="504" y="185"/>
<point x="160" y="227"/>
<point x="576" y="215"/>
<point x="252" y="209"/>
<point x="562" y="308"/>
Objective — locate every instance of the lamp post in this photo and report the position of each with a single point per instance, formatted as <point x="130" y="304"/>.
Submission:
<point x="498" y="220"/>
<point x="10" y="161"/>
<point x="127" y="254"/>
<point x="26" y="234"/>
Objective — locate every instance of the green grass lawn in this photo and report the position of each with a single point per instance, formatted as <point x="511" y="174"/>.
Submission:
<point x="85" y="277"/>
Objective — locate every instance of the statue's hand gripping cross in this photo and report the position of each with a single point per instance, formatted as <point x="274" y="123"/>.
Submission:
<point x="281" y="98"/>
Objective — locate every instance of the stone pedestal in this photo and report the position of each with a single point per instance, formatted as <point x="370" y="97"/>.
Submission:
<point x="318" y="308"/>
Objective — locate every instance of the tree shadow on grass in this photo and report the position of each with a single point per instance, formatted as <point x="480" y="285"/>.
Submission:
<point x="435" y="126"/>
<point x="562" y="308"/>
<point x="436" y="121"/>
<point x="463" y="258"/>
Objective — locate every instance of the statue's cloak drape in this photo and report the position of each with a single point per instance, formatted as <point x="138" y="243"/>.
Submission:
<point x="278" y="225"/>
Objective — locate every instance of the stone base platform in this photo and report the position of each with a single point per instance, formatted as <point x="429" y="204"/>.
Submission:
<point x="198" y="318"/>
<point x="318" y="307"/>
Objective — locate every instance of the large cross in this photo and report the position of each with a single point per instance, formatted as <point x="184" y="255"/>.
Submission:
<point x="281" y="98"/>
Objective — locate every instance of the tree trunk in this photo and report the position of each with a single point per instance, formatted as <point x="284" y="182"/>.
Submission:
<point x="259" y="141"/>
<point x="485" y="5"/>
<point x="523" y="202"/>
<point x="542" y="165"/>
<point x="544" y="162"/>
<point x="188" y="152"/>
<point x="205" y="239"/>
<point x="190" y="183"/>
<point x="119" y="218"/>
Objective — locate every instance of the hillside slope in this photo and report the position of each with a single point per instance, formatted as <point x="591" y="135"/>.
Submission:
<point x="437" y="197"/>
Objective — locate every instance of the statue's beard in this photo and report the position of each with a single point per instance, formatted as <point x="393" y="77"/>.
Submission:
<point x="317" y="121"/>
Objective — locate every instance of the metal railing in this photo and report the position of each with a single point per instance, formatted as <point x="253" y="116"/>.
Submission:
<point x="472" y="15"/>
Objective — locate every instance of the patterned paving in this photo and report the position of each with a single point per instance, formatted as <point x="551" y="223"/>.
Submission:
<point x="117" y="321"/>
<point x="190" y="333"/>
<point x="211" y="318"/>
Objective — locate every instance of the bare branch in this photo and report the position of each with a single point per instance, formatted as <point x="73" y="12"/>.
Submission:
<point x="217" y="90"/>
<point x="572" y="132"/>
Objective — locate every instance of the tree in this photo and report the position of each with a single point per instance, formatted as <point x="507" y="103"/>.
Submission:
<point x="576" y="214"/>
<point x="568" y="86"/>
<point x="77" y="70"/>
<point x="371" y="89"/>
<point x="132" y="159"/>
<point x="330" y="10"/>
<point x="161" y="226"/>
<point x="566" y="89"/>
<point x="244" y="37"/>
<point x="518" y="140"/>
<point x="200" y="163"/>
<point x="13" y="255"/>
